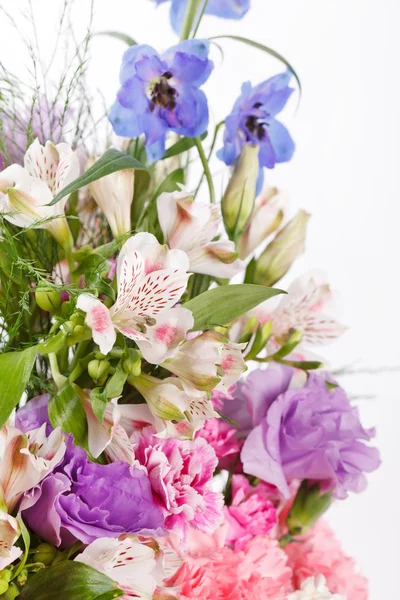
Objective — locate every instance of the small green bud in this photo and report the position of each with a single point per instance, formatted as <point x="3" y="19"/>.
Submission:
<point x="239" y="198"/>
<point x="133" y="364"/>
<point x="309" y="504"/>
<point x="279" y="255"/>
<point x="47" y="300"/>
<point x="66" y="308"/>
<point x="22" y="577"/>
<point x="77" y="319"/>
<point x="45" y="553"/>
<point x="98" y="370"/>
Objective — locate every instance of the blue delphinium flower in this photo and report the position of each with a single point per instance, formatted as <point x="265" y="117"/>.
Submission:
<point x="252" y="121"/>
<point x="226" y="9"/>
<point x="161" y="93"/>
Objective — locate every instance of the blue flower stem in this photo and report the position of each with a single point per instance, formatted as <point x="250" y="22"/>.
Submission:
<point x="203" y="10"/>
<point x="190" y="15"/>
<point x="217" y="128"/>
<point x="206" y="168"/>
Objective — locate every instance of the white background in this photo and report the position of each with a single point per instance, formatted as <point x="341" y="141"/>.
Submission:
<point x="345" y="172"/>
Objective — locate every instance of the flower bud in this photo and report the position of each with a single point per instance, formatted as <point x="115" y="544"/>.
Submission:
<point x="238" y="201"/>
<point x="22" y="577"/>
<point x="266" y="218"/>
<point x="279" y="255"/>
<point x="98" y="370"/>
<point x="309" y="504"/>
<point x="47" y="299"/>
<point x="133" y="364"/>
<point x="45" y="553"/>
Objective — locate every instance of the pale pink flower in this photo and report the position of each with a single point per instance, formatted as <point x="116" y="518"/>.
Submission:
<point x="9" y="533"/>
<point x="25" y="459"/>
<point x="314" y="589"/>
<point x="179" y="410"/>
<point x="320" y="553"/>
<point x="180" y="474"/>
<point x="250" y="513"/>
<point x="207" y="361"/>
<point x="128" y="562"/>
<point x="191" y="226"/>
<point x="222" y="438"/>
<point x="212" y="571"/>
<point x="114" y="195"/>
<point x="151" y="280"/>
<point x="265" y="219"/>
<point x="27" y="191"/>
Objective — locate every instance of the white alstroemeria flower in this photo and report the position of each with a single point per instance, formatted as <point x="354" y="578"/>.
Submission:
<point x="314" y="589"/>
<point x="27" y="191"/>
<point x="265" y="219"/>
<point x="114" y="195"/>
<point x="25" y="459"/>
<point x="151" y="280"/>
<point x="127" y="561"/>
<point x="306" y="308"/>
<point x="9" y="533"/>
<point x="178" y="411"/>
<point x="191" y="226"/>
<point x="208" y="361"/>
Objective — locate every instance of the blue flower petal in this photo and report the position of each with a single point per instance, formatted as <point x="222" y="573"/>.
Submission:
<point x="188" y="61"/>
<point x="192" y="112"/>
<point x="281" y="141"/>
<point x="131" y="57"/>
<point x="228" y="9"/>
<point x="267" y="156"/>
<point x="150" y="67"/>
<point x="124" y="121"/>
<point x="260" y="181"/>
<point x="132" y="95"/>
<point x="155" y="131"/>
<point x="231" y="150"/>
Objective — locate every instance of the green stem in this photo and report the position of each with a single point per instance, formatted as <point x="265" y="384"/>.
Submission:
<point x="58" y="378"/>
<point x="203" y="10"/>
<point x="190" y="16"/>
<point x="217" y="128"/>
<point x="206" y="168"/>
<point x="80" y="351"/>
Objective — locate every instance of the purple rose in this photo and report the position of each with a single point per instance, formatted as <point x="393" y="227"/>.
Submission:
<point x="311" y="433"/>
<point x="34" y="414"/>
<point x="82" y="500"/>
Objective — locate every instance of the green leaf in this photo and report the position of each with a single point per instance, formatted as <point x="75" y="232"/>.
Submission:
<point x="69" y="579"/>
<point x="98" y="398"/>
<point x="306" y="365"/>
<point x="27" y="542"/>
<point x="15" y="369"/>
<point x="222" y="305"/>
<point x="142" y="184"/>
<point x="118" y="35"/>
<point x="53" y="344"/>
<point x="266" y="49"/>
<point x="183" y="145"/>
<point x="111" y="161"/>
<point x="116" y="383"/>
<point x="66" y="411"/>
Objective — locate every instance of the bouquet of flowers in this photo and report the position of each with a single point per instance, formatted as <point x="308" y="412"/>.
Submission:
<point x="137" y="459"/>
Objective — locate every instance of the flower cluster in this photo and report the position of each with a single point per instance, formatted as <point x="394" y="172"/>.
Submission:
<point x="141" y="461"/>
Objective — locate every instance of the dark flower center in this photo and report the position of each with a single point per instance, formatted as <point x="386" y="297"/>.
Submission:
<point x="162" y="94"/>
<point x="256" y="125"/>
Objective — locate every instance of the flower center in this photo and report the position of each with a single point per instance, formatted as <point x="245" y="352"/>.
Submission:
<point x="162" y="93"/>
<point x="257" y="125"/>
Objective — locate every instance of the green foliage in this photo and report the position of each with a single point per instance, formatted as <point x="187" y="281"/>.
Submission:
<point x="111" y="162"/>
<point x="222" y="305"/>
<point x="69" y="579"/>
<point x="15" y="369"/>
<point x="66" y="411"/>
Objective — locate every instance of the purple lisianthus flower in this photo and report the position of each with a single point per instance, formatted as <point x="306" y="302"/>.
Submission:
<point x="161" y="93"/>
<point x="82" y="500"/>
<point x="34" y="414"/>
<point x="312" y="432"/>
<point x="252" y="121"/>
<point x="226" y="9"/>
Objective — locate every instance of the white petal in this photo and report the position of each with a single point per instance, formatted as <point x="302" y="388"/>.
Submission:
<point x="155" y="255"/>
<point x="99" y="320"/>
<point x="218" y="259"/>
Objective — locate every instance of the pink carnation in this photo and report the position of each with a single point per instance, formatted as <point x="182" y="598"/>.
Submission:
<point x="251" y="512"/>
<point x="321" y="554"/>
<point x="180" y="474"/>
<point x="211" y="571"/>
<point x="222" y="437"/>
